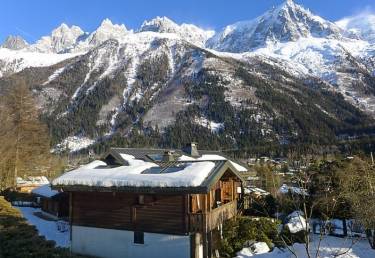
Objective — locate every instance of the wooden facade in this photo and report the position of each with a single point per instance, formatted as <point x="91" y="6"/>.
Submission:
<point x="197" y="215"/>
<point x="57" y="206"/>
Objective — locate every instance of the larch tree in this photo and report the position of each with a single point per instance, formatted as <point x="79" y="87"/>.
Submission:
<point x="357" y="185"/>
<point x="25" y="143"/>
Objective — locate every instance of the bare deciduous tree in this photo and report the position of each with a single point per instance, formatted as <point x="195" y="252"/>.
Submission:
<point x="25" y="144"/>
<point x="357" y="184"/>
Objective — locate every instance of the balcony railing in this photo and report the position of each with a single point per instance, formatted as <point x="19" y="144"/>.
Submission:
<point x="198" y="221"/>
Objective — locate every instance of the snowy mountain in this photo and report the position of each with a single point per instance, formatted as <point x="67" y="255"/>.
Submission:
<point x="361" y="26"/>
<point x="189" y="32"/>
<point x="287" y="76"/>
<point x="14" y="43"/>
<point x="285" y="23"/>
<point x="61" y="39"/>
<point x="107" y="30"/>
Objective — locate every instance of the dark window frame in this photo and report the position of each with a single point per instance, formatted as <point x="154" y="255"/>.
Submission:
<point x="139" y="238"/>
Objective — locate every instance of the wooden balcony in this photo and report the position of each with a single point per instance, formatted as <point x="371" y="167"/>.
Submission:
<point x="198" y="222"/>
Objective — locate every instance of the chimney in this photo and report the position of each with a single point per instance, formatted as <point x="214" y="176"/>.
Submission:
<point x="192" y="149"/>
<point x="168" y="156"/>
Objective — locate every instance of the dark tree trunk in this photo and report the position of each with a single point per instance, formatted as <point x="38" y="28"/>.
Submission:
<point x="371" y="237"/>
<point x="345" y="227"/>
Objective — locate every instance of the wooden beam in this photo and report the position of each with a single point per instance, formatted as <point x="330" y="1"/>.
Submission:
<point x="186" y="212"/>
<point x="70" y="215"/>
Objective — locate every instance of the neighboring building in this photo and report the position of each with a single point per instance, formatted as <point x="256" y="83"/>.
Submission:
<point x="189" y="153"/>
<point x="252" y="194"/>
<point x="256" y="192"/>
<point x="51" y="201"/>
<point x="151" y="203"/>
<point x="26" y="185"/>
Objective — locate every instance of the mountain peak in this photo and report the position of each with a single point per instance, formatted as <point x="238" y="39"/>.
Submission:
<point x="14" y="43"/>
<point x="287" y="22"/>
<point x="289" y="2"/>
<point x="160" y="24"/>
<point x="64" y="31"/>
<point x="188" y="32"/>
<point x="107" y="24"/>
<point x="61" y="38"/>
<point x="106" y="30"/>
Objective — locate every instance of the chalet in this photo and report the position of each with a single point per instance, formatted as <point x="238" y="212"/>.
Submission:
<point x="51" y="201"/>
<point x="26" y="185"/>
<point x="140" y="203"/>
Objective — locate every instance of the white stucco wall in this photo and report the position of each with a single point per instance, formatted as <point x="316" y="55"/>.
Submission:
<point x="111" y="243"/>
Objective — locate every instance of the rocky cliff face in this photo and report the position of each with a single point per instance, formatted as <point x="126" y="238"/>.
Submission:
<point x="14" y="43"/>
<point x="286" y="77"/>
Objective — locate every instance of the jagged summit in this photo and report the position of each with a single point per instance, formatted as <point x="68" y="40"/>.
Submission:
<point x="286" y="22"/>
<point x="188" y="32"/>
<point x="160" y="24"/>
<point x="61" y="38"/>
<point x="106" y="30"/>
<point x="14" y="43"/>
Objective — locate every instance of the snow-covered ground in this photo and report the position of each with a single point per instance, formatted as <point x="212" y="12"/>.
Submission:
<point x="213" y="126"/>
<point x="330" y="247"/>
<point x="74" y="143"/>
<point x="46" y="228"/>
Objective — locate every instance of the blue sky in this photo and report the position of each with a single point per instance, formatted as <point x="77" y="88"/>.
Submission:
<point x="33" y="19"/>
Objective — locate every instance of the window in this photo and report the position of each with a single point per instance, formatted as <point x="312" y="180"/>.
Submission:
<point x="139" y="238"/>
<point x="141" y="199"/>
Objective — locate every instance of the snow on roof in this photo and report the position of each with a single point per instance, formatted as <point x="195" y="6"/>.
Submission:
<point x="213" y="157"/>
<point x="45" y="191"/>
<point x="131" y="159"/>
<point x="252" y="189"/>
<point x="32" y="180"/>
<point x="296" y="222"/>
<point x="137" y="174"/>
<point x="186" y="158"/>
<point x="284" y="189"/>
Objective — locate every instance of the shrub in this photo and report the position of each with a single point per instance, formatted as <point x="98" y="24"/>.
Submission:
<point x="291" y="238"/>
<point x="238" y="231"/>
<point x="20" y="240"/>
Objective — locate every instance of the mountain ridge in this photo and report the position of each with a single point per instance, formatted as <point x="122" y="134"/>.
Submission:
<point x="163" y="80"/>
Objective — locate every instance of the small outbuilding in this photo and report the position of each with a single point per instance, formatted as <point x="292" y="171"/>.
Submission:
<point x="26" y="185"/>
<point x="51" y="201"/>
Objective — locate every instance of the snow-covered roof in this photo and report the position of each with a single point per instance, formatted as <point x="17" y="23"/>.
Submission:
<point x="156" y="155"/>
<point x="207" y="157"/>
<point x="138" y="173"/>
<point x="256" y="190"/>
<point x="296" y="222"/>
<point x="284" y="189"/>
<point x="45" y="191"/>
<point x="32" y="180"/>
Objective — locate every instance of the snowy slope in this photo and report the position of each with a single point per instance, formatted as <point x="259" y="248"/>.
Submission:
<point x="287" y="22"/>
<point x="12" y="61"/>
<point x="361" y="26"/>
